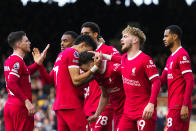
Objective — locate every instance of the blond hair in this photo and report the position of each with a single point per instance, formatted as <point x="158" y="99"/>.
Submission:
<point x="136" y="32"/>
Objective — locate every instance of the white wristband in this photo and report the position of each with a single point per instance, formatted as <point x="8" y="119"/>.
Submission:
<point x="94" y="69"/>
<point x="107" y="57"/>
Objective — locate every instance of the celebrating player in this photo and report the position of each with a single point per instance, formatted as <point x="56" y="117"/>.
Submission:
<point x="19" y="110"/>
<point x="67" y="77"/>
<point x="93" y="91"/>
<point x="109" y="79"/>
<point x="178" y="76"/>
<point x="141" y="83"/>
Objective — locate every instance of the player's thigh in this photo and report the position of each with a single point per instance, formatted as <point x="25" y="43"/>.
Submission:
<point x="175" y="123"/>
<point x="8" y="119"/>
<point x="90" y="126"/>
<point x="127" y="124"/>
<point x="104" y="121"/>
<point x="21" y="119"/>
<point x="61" y="124"/>
<point x="76" y="120"/>
<point x="116" y="119"/>
<point x="146" y="125"/>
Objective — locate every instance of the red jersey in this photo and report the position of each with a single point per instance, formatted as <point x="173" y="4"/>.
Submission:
<point x="67" y="96"/>
<point x="177" y="65"/>
<point x="138" y="72"/>
<point x="111" y="79"/>
<point x="93" y="91"/>
<point x="18" y="81"/>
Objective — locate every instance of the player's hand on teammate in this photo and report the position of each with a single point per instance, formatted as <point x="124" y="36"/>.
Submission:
<point x="30" y="107"/>
<point x="92" y="118"/>
<point x="98" y="58"/>
<point x="184" y="113"/>
<point x="39" y="57"/>
<point x="148" y="111"/>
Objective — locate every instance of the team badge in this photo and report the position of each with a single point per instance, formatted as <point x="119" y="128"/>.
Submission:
<point x="133" y="71"/>
<point x="76" y="54"/>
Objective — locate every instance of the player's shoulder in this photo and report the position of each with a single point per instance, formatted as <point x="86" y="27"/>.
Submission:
<point x="145" y="57"/>
<point x="15" y="59"/>
<point x="182" y="51"/>
<point x="70" y="52"/>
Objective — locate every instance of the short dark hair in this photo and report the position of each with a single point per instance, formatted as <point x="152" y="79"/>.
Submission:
<point x="73" y="34"/>
<point x="175" y="29"/>
<point x="85" y="57"/>
<point x="14" y="37"/>
<point x="89" y="41"/>
<point x="93" y="26"/>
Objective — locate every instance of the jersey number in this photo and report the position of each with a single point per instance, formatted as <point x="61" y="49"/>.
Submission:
<point x="169" y="122"/>
<point x="103" y="120"/>
<point x="56" y="69"/>
<point x="141" y="124"/>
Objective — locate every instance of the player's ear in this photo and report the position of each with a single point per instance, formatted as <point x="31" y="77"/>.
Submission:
<point x="95" y="34"/>
<point x="135" y="40"/>
<point x="82" y="45"/>
<point x="175" y="36"/>
<point x="17" y="44"/>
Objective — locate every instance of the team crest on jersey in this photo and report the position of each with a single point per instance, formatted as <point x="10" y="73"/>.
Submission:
<point x="76" y="54"/>
<point x="171" y="65"/>
<point x="133" y="71"/>
<point x="16" y="66"/>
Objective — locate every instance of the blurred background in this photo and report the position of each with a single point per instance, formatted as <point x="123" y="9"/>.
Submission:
<point x="44" y="21"/>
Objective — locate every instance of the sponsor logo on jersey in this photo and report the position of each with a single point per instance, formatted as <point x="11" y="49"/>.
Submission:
<point x="116" y="66"/>
<point x="75" y="61"/>
<point x="76" y="54"/>
<point x="185" y="60"/>
<point x="150" y="61"/>
<point x="131" y="82"/>
<point x="151" y="64"/>
<point x="169" y="76"/>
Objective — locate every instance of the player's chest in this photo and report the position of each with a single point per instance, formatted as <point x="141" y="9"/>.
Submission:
<point x="172" y="65"/>
<point x="25" y="75"/>
<point x="132" y="69"/>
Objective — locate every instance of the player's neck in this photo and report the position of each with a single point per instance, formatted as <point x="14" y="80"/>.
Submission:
<point x="19" y="52"/>
<point x="132" y="52"/>
<point x="175" y="46"/>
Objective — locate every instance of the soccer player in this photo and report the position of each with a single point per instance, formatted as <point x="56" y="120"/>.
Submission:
<point x="67" y="39"/>
<point x="93" y="91"/>
<point x="178" y="76"/>
<point x="67" y="77"/>
<point x="141" y="83"/>
<point x="19" y="110"/>
<point x="109" y="79"/>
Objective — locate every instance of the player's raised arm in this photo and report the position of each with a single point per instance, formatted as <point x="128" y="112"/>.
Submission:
<point x="38" y="58"/>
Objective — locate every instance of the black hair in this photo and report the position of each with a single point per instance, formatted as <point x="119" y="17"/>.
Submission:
<point x="175" y="29"/>
<point x="88" y="40"/>
<point x="93" y="26"/>
<point x="85" y="57"/>
<point x="14" y="37"/>
<point x="73" y="34"/>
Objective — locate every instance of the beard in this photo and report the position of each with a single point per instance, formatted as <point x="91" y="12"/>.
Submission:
<point x="125" y="49"/>
<point x="170" y="45"/>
